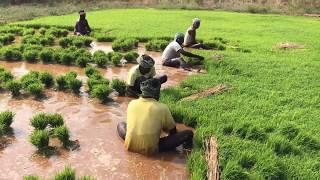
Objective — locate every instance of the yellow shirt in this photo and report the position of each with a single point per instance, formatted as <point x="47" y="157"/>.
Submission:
<point x="134" y="73"/>
<point x="146" y="117"/>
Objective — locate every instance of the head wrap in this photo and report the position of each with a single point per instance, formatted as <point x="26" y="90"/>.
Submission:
<point x="179" y="36"/>
<point x="151" y="88"/>
<point x="196" y="21"/>
<point x="81" y="12"/>
<point x="146" y="61"/>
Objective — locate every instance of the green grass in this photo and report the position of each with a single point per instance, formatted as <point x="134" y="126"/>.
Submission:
<point x="267" y="125"/>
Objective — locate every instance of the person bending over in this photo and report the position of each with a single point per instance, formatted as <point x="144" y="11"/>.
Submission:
<point x="190" y="38"/>
<point x="171" y="56"/>
<point x="82" y="26"/>
<point x="141" y="72"/>
<point x="146" y="118"/>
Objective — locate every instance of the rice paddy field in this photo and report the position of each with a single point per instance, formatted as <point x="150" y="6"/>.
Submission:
<point x="267" y="122"/>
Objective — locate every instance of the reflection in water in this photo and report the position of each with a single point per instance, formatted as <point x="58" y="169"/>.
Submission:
<point x="94" y="124"/>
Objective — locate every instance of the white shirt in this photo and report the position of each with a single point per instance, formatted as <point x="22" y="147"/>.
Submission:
<point x="171" y="51"/>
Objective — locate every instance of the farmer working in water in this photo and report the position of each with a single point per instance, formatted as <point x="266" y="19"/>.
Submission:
<point x="82" y="26"/>
<point x="172" y="54"/>
<point x="141" y="72"/>
<point x="146" y="118"/>
<point x="190" y="38"/>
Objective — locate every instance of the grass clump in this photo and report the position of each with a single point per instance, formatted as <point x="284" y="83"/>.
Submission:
<point x="31" y="177"/>
<point x="115" y="58"/>
<point x="65" y="42"/>
<point x="75" y="85"/>
<point x="131" y="57"/>
<point x="62" y="82"/>
<point x="157" y="45"/>
<point x="67" y="58"/>
<point x="47" y="79"/>
<point x="31" y="77"/>
<point x="90" y="71"/>
<point x="100" y="58"/>
<point x="125" y="44"/>
<point x="5" y="77"/>
<point x="290" y="131"/>
<point x="40" y="139"/>
<point x="6" y="118"/>
<point x="36" y="89"/>
<point x="82" y="61"/>
<point x="69" y="82"/>
<point x="67" y="174"/>
<point x="55" y="120"/>
<point x="119" y="86"/>
<point x="14" y="87"/>
<point x="214" y="44"/>
<point x="11" y="54"/>
<point x="31" y="55"/>
<point x="47" y="55"/>
<point x="101" y="91"/>
<point x="308" y="142"/>
<point x="233" y="171"/>
<point x="247" y="160"/>
<point x="40" y="121"/>
<point x="282" y="146"/>
<point x="62" y="133"/>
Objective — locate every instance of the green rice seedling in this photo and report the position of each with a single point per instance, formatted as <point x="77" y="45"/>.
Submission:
<point x="14" y="87"/>
<point x="227" y="130"/>
<point x="290" y="131"/>
<point x="124" y="44"/>
<point x="119" y="86"/>
<point x="50" y="40"/>
<point x="67" y="58"/>
<point x="308" y="142"/>
<point x="96" y="79"/>
<point x="89" y="71"/>
<point x="75" y="85"/>
<point x="42" y="31"/>
<point x="67" y="174"/>
<point x="83" y="52"/>
<point x="131" y="56"/>
<point x="233" y="171"/>
<point x="242" y="130"/>
<point x="71" y="75"/>
<point x="282" y="146"/>
<point x="214" y="44"/>
<point x="62" y="133"/>
<point x="256" y="133"/>
<point x="30" y="78"/>
<point x="65" y="42"/>
<point x="271" y="168"/>
<point x="31" y="55"/>
<point x="40" y="121"/>
<point x="47" y="55"/>
<point x="36" y="89"/>
<point x="82" y="61"/>
<point x="6" y="118"/>
<point x="47" y="79"/>
<point x="28" y="32"/>
<point x="87" y="178"/>
<point x="30" y="47"/>
<point x="78" y="43"/>
<point x="247" y="160"/>
<point x="156" y="45"/>
<point x="11" y="54"/>
<point x="5" y="76"/>
<point x="40" y="139"/>
<point x="87" y="41"/>
<point x="116" y="59"/>
<point x="103" y="38"/>
<point x="55" y="120"/>
<point x="101" y="92"/>
<point x="62" y="82"/>
<point x="6" y="39"/>
<point x="100" y="58"/>
<point x="31" y="177"/>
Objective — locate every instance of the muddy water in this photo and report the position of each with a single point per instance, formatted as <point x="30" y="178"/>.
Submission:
<point x="101" y="152"/>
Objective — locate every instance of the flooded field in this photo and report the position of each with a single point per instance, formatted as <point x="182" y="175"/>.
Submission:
<point x="101" y="153"/>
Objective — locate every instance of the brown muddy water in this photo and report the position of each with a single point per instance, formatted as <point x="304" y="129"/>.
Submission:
<point x="101" y="153"/>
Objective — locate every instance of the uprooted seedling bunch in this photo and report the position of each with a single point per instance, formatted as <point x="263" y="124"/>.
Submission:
<point x="157" y="45"/>
<point x="69" y="82"/>
<point x="99" y="87"/>
<point x="125" y="44"/>
<point x="6" y="119"/>
<point x="218" y="43"/>
<point x="66" y="174"/>
<point x="46" y="126"/>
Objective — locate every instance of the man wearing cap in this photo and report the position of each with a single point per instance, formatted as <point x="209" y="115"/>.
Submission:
<point x="141" y="72"/>
<point x="82" y="26"/>
<point x="190" y="38"/>
<point x="146" y="118"/>
<point x="171" y="56"/>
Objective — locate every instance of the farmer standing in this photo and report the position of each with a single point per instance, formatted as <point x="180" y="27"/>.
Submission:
<point x="141" y="72"/>
<point x="172" y="54"/>
<point x="146" y="118"/>
<point x="82" y="26"/>
<point x="190" y="38"/>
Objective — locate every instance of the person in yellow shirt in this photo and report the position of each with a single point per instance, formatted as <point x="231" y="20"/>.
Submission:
<point x="141" y="72"/>
<point x="146" y="118"/>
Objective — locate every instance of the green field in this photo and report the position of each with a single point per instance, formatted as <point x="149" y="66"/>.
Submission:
<point x="267" y="125"/>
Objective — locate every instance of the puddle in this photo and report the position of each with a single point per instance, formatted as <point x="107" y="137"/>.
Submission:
<point x="101" y="151"/>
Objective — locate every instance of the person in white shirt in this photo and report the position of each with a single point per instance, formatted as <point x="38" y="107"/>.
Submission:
<point x="172" y="54"/>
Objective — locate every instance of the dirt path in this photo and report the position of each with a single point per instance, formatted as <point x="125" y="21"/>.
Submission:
<point x="101" y="152"/>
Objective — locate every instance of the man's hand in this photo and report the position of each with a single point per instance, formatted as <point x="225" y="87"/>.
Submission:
<point x="173" y="131"/>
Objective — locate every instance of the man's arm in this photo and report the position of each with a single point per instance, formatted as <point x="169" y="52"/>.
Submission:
<point x="189" y="54"/>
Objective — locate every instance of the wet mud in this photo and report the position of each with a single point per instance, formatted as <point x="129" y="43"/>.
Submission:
<point x="101" y="152"/>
